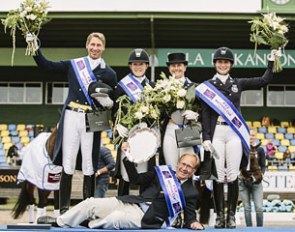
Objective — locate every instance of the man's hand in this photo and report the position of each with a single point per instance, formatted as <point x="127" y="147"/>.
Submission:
<point x="190" y="115"/>
<point x="197" y="226"/>
<point x="105" y="102"/>
<point x="122" y="131"/>
<point x="274" y="53"/>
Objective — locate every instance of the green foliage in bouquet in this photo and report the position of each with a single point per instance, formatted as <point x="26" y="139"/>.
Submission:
<point x="28" y="18"/>
<point x="269" y="30"/>
<point x="156" y="103"/>
<point x="171" y="95"/>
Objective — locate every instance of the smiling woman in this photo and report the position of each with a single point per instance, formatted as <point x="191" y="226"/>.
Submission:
<point x="225" y="130"/>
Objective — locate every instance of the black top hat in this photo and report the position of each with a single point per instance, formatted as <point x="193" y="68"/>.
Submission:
<point x="174" y="58"/>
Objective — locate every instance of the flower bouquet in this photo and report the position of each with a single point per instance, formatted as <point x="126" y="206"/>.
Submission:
<point x="130" y="114"/>
<point x="166" y="97"/>
<point x="171" y="95"/>
<point x="28" y="18"/>
<point x="270" y="30"/>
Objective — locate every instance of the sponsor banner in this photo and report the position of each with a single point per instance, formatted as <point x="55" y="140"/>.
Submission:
<point x="244" y="58"/>
<point x="279" y="182"/>
<point x="8" y="178"/>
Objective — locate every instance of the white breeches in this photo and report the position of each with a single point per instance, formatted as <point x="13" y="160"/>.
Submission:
<point x="170" y="150"/>
<point x="229" y="148"/>
<point x="104" y="213"/>
<point x="74" y="137"/>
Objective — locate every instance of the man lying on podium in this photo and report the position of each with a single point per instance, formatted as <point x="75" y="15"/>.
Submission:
<point x="166" y="195"/>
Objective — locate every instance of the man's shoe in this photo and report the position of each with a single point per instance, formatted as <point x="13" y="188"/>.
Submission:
<point x="47" y="220"/>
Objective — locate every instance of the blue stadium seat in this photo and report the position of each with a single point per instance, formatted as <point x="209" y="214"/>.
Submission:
<point x="269" y="136"/>
<point x="292" y="142"/>
<point x="262" y="130"/>
<point x="2" y="159"/>
<point x="19" y="145"/>
<point x="31" y="133"/>
<point x="282" y="148"/>
<point x="289" y="136"/>
<point x="15" y="139"/>
<point x="282" y="130"/>
<point x="264" y="148"/>
<point x="276" y="142"/>
<point x="2" y="152"/>
<point x="14" y="133"/>
<point x="12" y="127"/>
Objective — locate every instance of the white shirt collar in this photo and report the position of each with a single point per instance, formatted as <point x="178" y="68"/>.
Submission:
<point x="140" y="79"/>
<point x="183" y="79"/>
<point x="223" y="78"/>
<point x="94" y="63"/>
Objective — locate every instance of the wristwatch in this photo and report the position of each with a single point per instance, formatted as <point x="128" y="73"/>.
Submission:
<point x="98" y="173"/>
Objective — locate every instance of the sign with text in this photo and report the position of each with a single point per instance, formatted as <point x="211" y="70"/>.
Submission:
<point x="8" y="178"/>
<point x="279" y="182"/>
<point x="244" y="58"/>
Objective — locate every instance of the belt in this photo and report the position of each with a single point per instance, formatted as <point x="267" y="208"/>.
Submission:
<point x="78" y="109"/>
<point x="221" y="123"/>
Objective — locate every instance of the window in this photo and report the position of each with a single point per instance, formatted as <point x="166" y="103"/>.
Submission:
<point x="56" y="92"/>
<point x="20" y="93"/>
<point x="252" y="98"/>
<point x="281" y="95"/>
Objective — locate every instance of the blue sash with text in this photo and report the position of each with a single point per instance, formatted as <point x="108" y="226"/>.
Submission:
<point x="172" y="191"/>
<point x="224" y="107"/>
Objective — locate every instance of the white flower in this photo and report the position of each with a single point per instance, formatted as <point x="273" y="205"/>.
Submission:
<point x="23" y="14"/>
<point x="283" y="29"/>
<point x="180" y="104"/>
<point x="138" y="115"/>
<point x="167" y="98"/>
<point x="144" y="109"/>
<point x="148" y="88"/>
<point x="154" y="114"/>
<point x="28" y="9"/>
<point x="172" y="88"/>
<point x="181" y="92"/>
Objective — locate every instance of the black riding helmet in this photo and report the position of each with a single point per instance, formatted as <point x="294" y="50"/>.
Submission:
<point x="138" y="55"/>
<point x="99" y="87"/>
<point x="223" y="53"/>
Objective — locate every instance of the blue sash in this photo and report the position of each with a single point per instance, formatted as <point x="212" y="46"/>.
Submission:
<point x="132" y="87"/>
<point x="172" y="191"/>
<point x="84" y="76"/>
<point x="224" y="107"/>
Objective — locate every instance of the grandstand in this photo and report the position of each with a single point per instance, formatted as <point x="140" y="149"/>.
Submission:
<point x="283" y="137"/>
<point x="22" y="134"/>
<point x="18" y="134"/>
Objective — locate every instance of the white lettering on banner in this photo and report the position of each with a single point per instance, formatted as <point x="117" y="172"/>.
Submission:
<point x="279" y="182"/>
<point x="237" y="59"/>
<point x="198" y="60"/>
<point x="244" y="58"/>
<point x="287" y="60"/>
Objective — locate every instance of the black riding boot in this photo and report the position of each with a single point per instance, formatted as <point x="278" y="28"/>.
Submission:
<point x="218" y="192"/>
<point x="123" y="188"/>
<point x="88" y="186"/>
<point x="65" y="192"/>
<point x="232" y="200"/>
